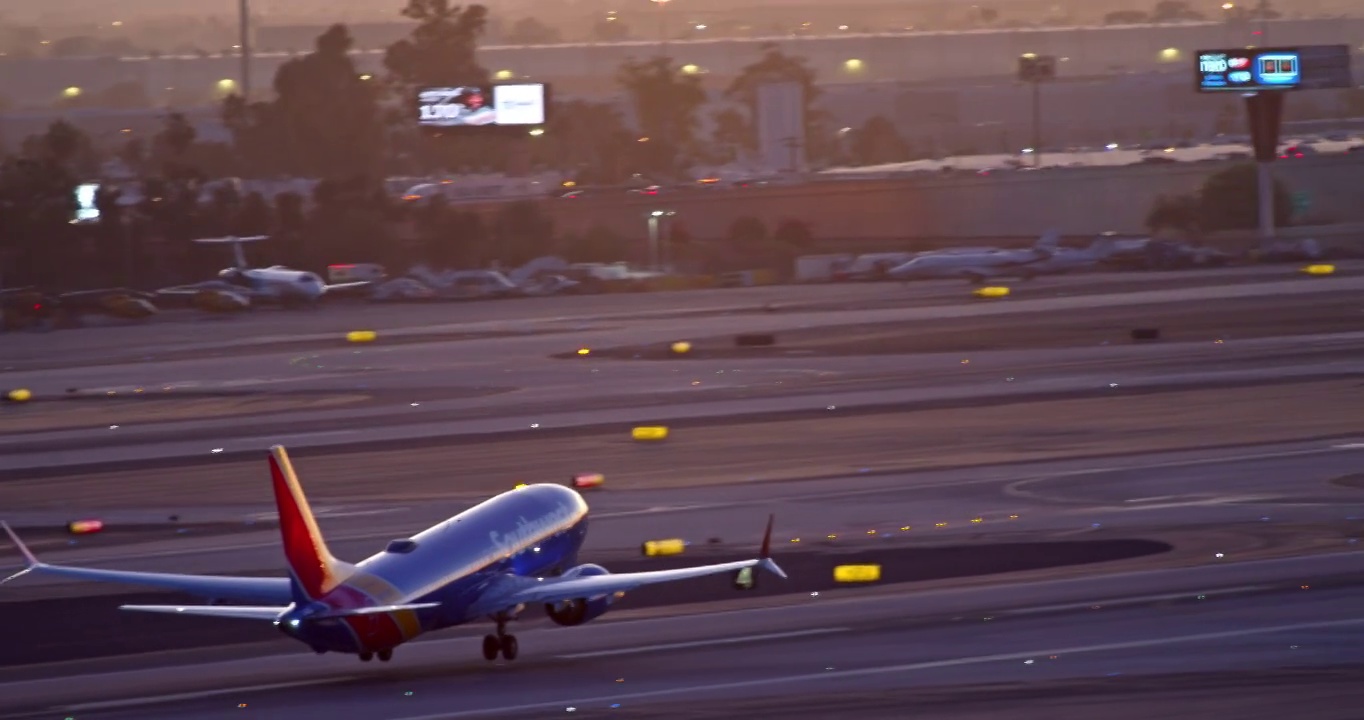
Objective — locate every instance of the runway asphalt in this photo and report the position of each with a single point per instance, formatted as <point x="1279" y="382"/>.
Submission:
<point x="822" y="645"/>
<point x="1237" y="454"/>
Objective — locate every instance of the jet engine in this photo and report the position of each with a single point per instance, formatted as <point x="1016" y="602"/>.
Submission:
<point x="580" y="610"/>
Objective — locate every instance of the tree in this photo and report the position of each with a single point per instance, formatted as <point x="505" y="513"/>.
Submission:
<point x="598" y="244"/>
<point x="588" y="139"/>
<point x="529" y="31"/>
<point x="1230" y="200"/>
<point x="1174" y="11"/>
<point x="324" y="121"/>
<point x="794" y="234"/>
<point x="729" y="136"/>
<point x="666" y="101"/>
<point x="777" y="67"/>
<point x="37" y="201"/>
<point x="1126" y="17"/>
<point x="877" y="142"/>
<point x="522" y="232"/>
<point x="441" y="49"/>
<point x="1175" y="212"/>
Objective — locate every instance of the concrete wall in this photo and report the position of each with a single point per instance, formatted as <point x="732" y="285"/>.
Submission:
<point x="1077" y="201"/>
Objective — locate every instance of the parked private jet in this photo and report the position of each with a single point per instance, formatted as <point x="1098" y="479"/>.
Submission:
<point x="490" y="561"/>
<point x="1046" y="257"/>
<point x="273" y="284"/>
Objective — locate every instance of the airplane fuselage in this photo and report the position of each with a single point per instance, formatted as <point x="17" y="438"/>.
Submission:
<point x="533" y="531"/>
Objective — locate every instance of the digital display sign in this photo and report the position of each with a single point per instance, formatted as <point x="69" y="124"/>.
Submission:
<point x="1254" y="69"/>
<point x="516" y="106"/>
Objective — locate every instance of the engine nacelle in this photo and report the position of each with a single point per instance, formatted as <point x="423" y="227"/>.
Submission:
<point x="580" y="610"/>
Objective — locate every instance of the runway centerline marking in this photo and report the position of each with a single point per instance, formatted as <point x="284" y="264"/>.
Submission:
<point x="159" y="699"/>
<point x="886" y="670"/>
<point x="701" y="643"/>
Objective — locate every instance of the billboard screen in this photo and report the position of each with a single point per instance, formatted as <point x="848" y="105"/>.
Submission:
<point x="521" y="105"/>
<point x="1254" y="69"/>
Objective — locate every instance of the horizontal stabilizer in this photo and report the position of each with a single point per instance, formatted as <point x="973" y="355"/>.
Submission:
<point x="222" y="611"/>
<point x="374" y="610"/>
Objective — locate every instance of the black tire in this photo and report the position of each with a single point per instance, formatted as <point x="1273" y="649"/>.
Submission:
<point x="385" y="655"/>
<point x="509" y="647"/>
<point x="366" y="656"/>
<point x="490" y="647"/>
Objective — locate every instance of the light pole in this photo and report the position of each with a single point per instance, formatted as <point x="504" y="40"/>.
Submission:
<point x="1036" y="69"/>
<point x="656" y="236"/>
<point x="662" y="27"/>
<point x="244" y="28"/>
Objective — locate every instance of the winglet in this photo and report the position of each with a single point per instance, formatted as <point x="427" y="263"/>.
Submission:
<point x="765" y="560"/>
<point x="30" y="559"/>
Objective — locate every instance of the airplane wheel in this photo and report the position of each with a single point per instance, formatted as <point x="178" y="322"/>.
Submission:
<point x="509" y="647"/>
<point x="490" y="647"/>
<point x="366" y="656"/>
<point x="385" y="655"/>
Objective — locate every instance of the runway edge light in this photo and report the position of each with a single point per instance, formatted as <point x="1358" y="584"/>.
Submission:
<point x="857" y="573"/>
<point x="671" y="546"/>
<point x="650" y="432"/>
<point x="84" y="527"/>
<point x="582" y="481"/>
<point x="19" y="395"/>
<point x="361" y="336"/>
<point x="991" y="292"/>
<point x="1319" y="269"/>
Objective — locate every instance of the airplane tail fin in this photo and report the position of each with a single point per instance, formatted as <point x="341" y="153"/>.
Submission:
<point x="765" y="560"/>
<point x="1050" y="240"/>
<point x="313" y="569"/>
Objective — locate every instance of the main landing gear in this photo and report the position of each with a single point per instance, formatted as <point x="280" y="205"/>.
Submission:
<point x="501" y="642"/>
<point x="384" y="656"/>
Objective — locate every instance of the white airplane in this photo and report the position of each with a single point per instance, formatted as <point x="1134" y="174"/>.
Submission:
<point x="1046" y="257"/>
<point x="275" y="283"/>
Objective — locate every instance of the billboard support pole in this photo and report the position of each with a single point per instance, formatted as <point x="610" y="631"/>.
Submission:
<point x="244" y="20"/>
<point x="1265" y="182"/>
<point x="1264" y="111"/>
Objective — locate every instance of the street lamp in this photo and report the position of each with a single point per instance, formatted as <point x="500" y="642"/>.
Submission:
<point x="244" y="28"/>
<point x="662" y="27"/>
<point x="1036" y="69"/>
<point x="655" y="234"/>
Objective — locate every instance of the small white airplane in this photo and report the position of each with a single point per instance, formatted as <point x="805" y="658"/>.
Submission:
<point x="275" y="283"/>
<point x="1046" y="257"/>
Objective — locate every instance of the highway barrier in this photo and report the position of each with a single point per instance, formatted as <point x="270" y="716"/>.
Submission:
<point x="857" y="573"/>
<point x="361" y="336"/>
<point x="650" y="433"/>
<point x="656" y="548"/>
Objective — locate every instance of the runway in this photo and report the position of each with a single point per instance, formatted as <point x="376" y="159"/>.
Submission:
<point x="1236" y="455"/>
<point x="822" y="645"/>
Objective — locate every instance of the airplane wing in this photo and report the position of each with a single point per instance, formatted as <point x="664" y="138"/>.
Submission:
<point x="219" y="611"/>
<point x="218" y="587"/>
<point x="550" y="590"/>
<point x="348" y="285"/>
<point x="556" y="590"/>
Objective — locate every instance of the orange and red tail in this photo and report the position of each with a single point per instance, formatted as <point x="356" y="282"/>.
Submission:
<point x="315" y="572"/>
